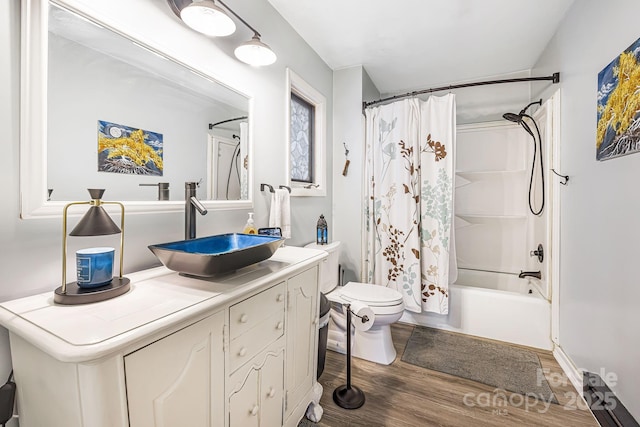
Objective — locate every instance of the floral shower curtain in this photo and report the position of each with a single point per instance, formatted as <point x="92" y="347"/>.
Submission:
<point x="410" y="146"/>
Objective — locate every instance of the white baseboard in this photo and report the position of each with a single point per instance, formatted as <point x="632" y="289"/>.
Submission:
<point x="569" y="368"/>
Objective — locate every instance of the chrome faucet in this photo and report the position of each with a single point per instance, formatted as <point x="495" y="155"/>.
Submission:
<point x="536" y="274"/>
<point x="191" y="204"/>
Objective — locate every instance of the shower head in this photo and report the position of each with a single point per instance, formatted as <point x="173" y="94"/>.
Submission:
<point x="517" y="118"/>
<point x="512" y="117"/>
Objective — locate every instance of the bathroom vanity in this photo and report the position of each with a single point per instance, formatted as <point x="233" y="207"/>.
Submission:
<point x="239" y="349"/>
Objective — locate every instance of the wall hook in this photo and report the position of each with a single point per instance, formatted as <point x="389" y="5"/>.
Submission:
<point x="565" y="177"/>
<point x="346" y="160"/>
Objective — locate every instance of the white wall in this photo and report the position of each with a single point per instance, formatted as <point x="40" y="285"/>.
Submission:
<point x="30" y="255"/>
<point x="350" y="87"/>
<point x="600" y="232"/>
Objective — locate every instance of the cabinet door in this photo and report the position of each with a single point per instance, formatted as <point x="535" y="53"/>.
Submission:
<point x="179" y="380"/>
<point x="302" y="338"/>
<point x="256" y="393"/>
<point x="244" y="404"/>
<point x="271" y="391"/>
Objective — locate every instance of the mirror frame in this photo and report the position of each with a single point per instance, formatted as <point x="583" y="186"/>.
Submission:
<point x="33" y="118"/>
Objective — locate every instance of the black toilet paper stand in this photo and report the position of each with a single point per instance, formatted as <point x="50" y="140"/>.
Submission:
<point x="349" y="396"/>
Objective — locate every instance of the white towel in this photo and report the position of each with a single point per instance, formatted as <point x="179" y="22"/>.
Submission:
<point x="280" y="215"/>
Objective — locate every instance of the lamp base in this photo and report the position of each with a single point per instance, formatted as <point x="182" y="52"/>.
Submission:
<point x="348" y="397"/>
<point x="77" y="295"/>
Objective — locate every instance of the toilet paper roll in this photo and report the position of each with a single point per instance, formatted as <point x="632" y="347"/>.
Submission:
<point x="362" y="310"/>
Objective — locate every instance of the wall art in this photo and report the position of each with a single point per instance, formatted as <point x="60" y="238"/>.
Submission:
<point x="618" y="127"/>
<point x="129" y="150"/>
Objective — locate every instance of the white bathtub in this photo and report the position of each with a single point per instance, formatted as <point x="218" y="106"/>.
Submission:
<point x="493" y="305"/>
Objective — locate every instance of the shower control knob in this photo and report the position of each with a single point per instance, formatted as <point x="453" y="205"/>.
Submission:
<point x="538" y="253"/>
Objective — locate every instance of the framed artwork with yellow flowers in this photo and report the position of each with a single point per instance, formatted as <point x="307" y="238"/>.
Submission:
<point x="618" y="128"/>
<point x="129" y="150"/>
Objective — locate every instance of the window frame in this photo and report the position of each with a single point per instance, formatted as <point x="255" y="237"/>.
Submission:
<point x="303" y="90"/>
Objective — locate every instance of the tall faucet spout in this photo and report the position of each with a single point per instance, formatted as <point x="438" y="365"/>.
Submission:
<point x="198" y="205"/>
<point x="191" y="205"/>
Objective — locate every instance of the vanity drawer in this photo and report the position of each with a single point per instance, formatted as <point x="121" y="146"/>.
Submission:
<point x="247" y="314"/>
<point x="244" y="347"/>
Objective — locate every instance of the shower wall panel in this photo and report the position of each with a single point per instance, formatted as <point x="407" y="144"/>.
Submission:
<point x="491" y="208"/>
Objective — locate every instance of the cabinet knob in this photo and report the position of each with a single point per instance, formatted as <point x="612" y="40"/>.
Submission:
<point x="280" y="298"/>
<point x="272" y="392"/>
<point x="244" y="318"/>
<point x="279" y="325"/>
<point x="315" y="321"/>
<point x="242" y="352"/>
<point x="255" y="410"/>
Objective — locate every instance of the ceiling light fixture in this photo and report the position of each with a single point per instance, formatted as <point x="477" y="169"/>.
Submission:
<point x="207" y="18"/>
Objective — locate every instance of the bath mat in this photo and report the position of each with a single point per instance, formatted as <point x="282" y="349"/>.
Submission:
<point x="497" y="365"/>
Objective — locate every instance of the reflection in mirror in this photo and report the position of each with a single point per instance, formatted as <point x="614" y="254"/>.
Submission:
<point x="137" y="123"/>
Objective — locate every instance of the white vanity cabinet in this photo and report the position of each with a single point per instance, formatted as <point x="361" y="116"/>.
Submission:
<point x="179" y="380"/>
<point x="302" y="338"/>
<point x="256" y="359"/>
<point x="235" y="351"/>
<point x="275" y="371"/>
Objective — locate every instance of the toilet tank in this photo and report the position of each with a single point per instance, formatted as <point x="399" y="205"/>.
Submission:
<point x="329" y="274"/>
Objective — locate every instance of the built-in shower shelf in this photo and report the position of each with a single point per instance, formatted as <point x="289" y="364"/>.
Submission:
<point x="475" y="218"/>
<point x="490" y="174"/>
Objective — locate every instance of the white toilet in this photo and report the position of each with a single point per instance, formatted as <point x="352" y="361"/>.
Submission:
<point x="387" y="305"/>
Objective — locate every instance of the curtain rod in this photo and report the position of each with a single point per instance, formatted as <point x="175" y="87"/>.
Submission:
<point x="555" y="78"/>
<point x="211" y="126"/>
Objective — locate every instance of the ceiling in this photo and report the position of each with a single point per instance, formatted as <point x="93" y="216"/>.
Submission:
<point x="416" y="44"/>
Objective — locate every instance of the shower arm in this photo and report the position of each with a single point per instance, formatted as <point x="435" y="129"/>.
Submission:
<point x="524" y="110"/>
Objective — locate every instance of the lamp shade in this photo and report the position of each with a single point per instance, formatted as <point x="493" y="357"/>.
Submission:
<point x="207" y="18"/>
<point x="96" y="222"/>
<point x="255" y="52"/>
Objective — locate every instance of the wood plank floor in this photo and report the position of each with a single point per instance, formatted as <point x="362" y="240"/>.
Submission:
<point x="404" y="395"/>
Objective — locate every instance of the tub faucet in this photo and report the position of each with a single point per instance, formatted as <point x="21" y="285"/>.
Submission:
<point x="536" y="274"/>
<point x="191" y="204"/>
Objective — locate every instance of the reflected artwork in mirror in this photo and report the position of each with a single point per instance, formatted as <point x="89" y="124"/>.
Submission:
<point x="93" y="75"/>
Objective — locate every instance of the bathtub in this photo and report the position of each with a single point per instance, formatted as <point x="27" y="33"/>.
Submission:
<point x="493" y="305"/>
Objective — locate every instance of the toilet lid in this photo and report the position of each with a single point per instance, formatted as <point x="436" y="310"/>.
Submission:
<point x="371" y="294"/>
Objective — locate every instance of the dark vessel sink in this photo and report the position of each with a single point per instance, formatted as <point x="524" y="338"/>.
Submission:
<point x="212" y="255"/>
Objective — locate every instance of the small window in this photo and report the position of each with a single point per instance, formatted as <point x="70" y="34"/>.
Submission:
<point x="306" y="135"/>
<point x="302" y="132"/>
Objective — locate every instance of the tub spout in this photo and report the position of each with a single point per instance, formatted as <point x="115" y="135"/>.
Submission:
<point x="536" y="274"/>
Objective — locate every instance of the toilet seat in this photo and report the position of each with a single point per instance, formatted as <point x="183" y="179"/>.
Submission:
<point x="372" y="295"/>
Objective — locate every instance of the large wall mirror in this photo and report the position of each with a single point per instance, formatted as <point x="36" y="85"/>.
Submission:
<point x="103" y="110"/>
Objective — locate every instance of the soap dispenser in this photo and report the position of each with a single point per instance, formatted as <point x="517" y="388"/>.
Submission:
<point x="249" y="228"/>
